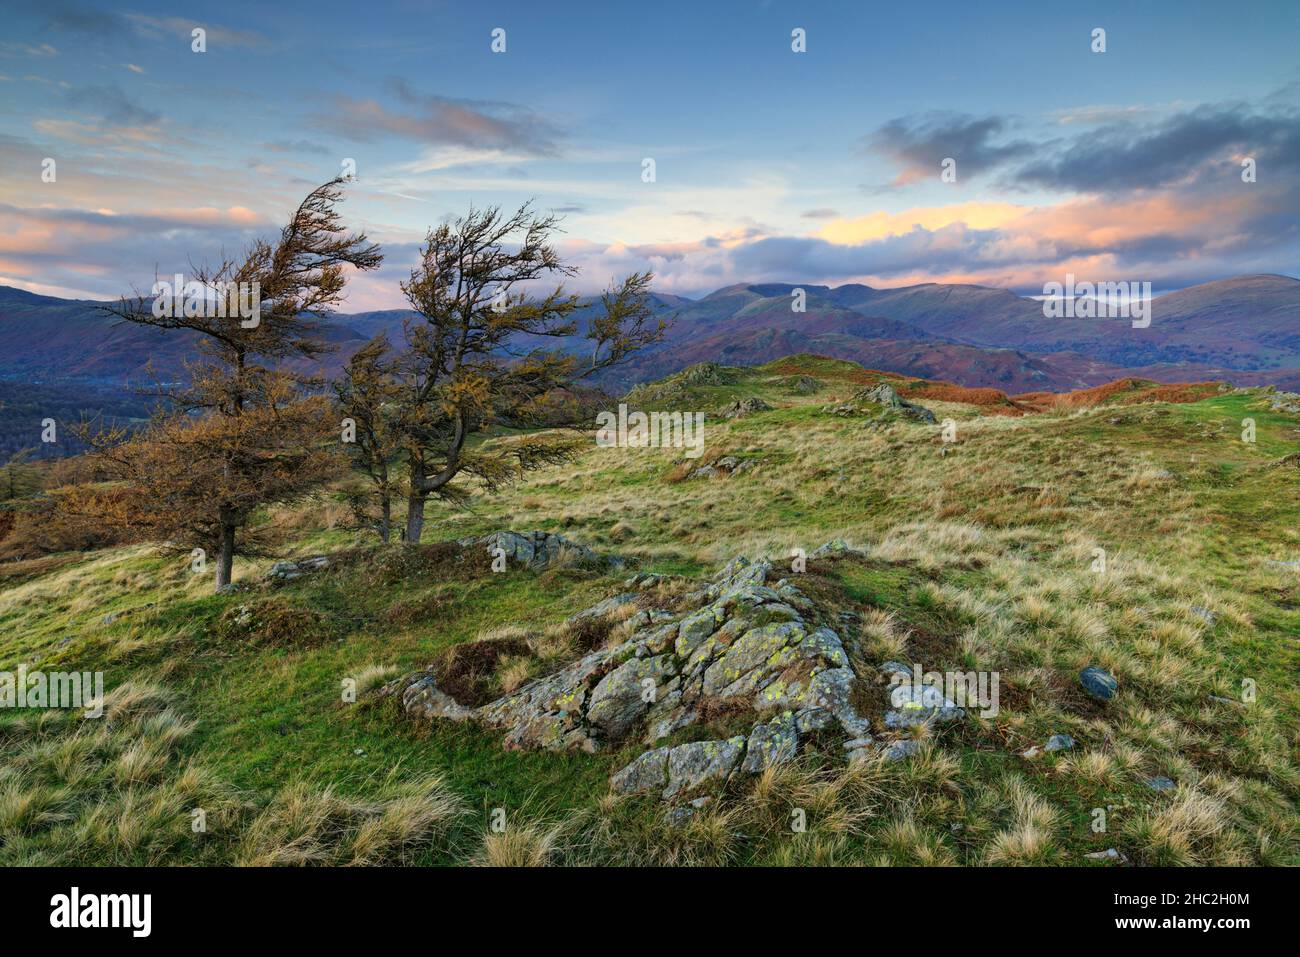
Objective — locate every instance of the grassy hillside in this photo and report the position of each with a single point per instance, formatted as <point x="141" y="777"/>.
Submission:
<point x="978" y="555"/>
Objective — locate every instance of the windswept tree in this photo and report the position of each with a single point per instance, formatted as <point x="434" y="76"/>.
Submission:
<point x="483" y="349"/>
<point x="242" y="431"/>
<point x="19" y="477"/>
<point x="368" y="399"/>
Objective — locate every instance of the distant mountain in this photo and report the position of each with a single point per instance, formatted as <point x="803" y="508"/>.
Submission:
<point x="1245" y="329"/>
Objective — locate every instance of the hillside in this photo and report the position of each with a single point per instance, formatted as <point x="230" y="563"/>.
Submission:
<point x="977" y="554"/>
<point x="1245" y="330"/>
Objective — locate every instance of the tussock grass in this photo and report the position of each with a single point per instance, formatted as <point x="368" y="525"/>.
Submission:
<point x="981" y="557"/>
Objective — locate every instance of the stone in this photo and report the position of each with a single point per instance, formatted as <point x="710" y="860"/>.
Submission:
<point x="538" y="549"/>
<point x="770" y="744"/>
<point x="901" y="749"/>
<point x="742" y="407"/>
<point x="1098" y="682"/>
<point x="736" y="640"/>
<point x="694" y="630"/>
<point x="700" y="763"/>
<point x="835" y="548"/>
<point x="1110" y="854"/>
<point x="423" y="696"/>
<point x="618" y="699"/>
<point x="647" y="773"/>
<point x="1059" y="742"/>
<point x="1160" y="783"/>
<point x="607" y="607"/>
<point x="920" y="704"/>
<point x="889" y="401"/>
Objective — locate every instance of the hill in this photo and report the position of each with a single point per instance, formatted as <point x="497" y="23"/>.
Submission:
<point x="1127" y="529"/>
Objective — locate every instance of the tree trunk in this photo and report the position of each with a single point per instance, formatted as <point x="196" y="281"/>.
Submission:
<point x="385" y="518"/>
<point x="226" y="555"/>
<point x="415" y="517"/>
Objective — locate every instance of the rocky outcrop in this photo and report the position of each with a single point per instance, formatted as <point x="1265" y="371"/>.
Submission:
<point x="287" y="571"/>
<point x="1284" y="402"/>
<point x="727" y="465"/>
<point x="743" y="407"/>
<point x="884" y="402"/>
<point x="739" y="644"/>
<point x="538" y="549"/>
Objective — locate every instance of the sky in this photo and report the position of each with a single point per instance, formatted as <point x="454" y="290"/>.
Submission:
<point x="821" y="166"/>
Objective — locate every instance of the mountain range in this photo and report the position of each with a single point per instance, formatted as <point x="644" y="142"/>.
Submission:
<point x="1245" y="329"/>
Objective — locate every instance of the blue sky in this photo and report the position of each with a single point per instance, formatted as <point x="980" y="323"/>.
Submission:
<point x="822" y="166"/>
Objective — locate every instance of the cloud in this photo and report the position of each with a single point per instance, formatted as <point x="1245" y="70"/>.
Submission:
<point x="296" y="146"/>
<point x="110" y="105"/>
<point x="109" y="24"/>
<point x="107" y="254"/>
<point x="183" y="27"/>
<point x="442" y="121"/>
<point x="27" y="49"/>
<point x="919" y="145"/>
<point x="1128" y="155"/>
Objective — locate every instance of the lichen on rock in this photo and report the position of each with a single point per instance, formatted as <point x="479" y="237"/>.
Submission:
<point x="737" y="644"/>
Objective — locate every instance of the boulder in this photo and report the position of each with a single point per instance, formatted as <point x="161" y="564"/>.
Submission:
<point x="287" y="571"/>
<point x="742" y="407"/>
<point x="1098" y="682"/>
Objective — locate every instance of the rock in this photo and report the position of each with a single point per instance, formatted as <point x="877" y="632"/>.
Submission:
<point x="1059" y="742"/>
<point x="647" y="773"/>
<point x="618" y="700"/>
<point x="1204" y="614"/>
<point x="1031" y="753"/>
<point x="888" y="401"/>
<point x="539" y="549"/>
<point x="1160" y="783"/>
<point x="694" y="630"/>
<point x="725" y="466"/>
<point x="1284" y="402"/>
<point x="920" y="704"/>
<point x="287" y="571"/>
<point x="737" y="644"/>
<point x="608" y="606"/>
<point x="770" y="744"/>
<point x="1098" y="682"/>
<point x="423" y="696"/>
<point x="741" y="407"/>
<point x="813" y="719"/>
<point x="1110" y="854"/>
<point x="700" y="763"/>
<point x="901" y="749"/>
<point x="836" y="548"/>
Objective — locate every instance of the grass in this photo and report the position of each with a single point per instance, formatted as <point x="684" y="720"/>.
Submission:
<point x="981" y="555"/>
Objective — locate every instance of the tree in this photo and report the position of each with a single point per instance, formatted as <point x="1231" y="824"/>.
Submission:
<point x="19" y="478"/>
<point x="242" y="432"/>
<point x="474" y="355"/>
<point x="368" y="398"/>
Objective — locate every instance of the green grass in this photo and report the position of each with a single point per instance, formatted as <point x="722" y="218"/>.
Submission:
<point x="981" y="556"/>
